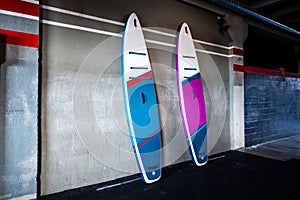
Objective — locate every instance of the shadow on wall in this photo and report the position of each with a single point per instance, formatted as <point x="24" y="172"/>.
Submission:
<point x="2" y="110"/>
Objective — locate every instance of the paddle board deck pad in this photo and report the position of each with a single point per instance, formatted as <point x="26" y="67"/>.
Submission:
<point x="191" y="97"/>
<point x="140" y="101"/>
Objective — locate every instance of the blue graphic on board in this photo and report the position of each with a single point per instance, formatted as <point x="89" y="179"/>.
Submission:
<point x="140" y="101"/>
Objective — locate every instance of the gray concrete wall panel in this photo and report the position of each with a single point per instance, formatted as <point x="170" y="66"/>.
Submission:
<point x="84" y="131"/>
<point x="19" y="84"/>
<point x="19" y="24"/>
<point x="18" y="103"/>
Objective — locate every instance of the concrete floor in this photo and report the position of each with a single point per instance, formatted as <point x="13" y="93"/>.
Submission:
<point x="263" y="171"/>
<point x="283" y="149"/>
<point x="232" y="175"/>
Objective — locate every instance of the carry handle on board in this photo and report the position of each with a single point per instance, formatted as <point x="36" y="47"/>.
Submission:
<point x="134" y="23"/>
<point x="143" y="98"/>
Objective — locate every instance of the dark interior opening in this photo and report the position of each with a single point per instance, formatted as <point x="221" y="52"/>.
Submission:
<point x="264" y="50"/>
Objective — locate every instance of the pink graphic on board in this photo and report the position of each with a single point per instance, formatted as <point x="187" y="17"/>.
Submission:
<point x="194" y="105"/>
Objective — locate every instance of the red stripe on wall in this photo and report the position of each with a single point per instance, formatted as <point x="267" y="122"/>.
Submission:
<point x="238" y="52"/>
<point x="20" y="7"/>
<point x="238" y="68"/>
<point x="19" y="38"/>
<point x="257" y="70"/>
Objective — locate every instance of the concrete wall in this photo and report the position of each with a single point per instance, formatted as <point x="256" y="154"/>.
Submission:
<point x="239" y="32"/>
<point x="84" y="132"/>
<point x="19" y="29"/>
<point x="272" y="107"/>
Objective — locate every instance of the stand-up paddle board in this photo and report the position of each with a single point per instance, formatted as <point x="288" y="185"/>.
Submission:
<point x="140" y="101"/>
<point x="191" y="98"/>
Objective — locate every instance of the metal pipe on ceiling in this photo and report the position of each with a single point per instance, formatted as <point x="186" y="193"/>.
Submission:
<point x="256" y="15"/>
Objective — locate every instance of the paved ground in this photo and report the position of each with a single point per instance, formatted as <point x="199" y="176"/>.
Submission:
<point x="284" y="149"/>
<point x="232" y="175"/>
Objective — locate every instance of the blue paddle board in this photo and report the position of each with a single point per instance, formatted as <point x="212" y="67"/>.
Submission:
<point x="140" y="101"/>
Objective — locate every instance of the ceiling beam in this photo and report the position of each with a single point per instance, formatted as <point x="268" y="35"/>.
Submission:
<point x="294" y="20"/>
<point x="263" y="3"/>
<point x="214" y="6"/>
<point x="284" y="10"/>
